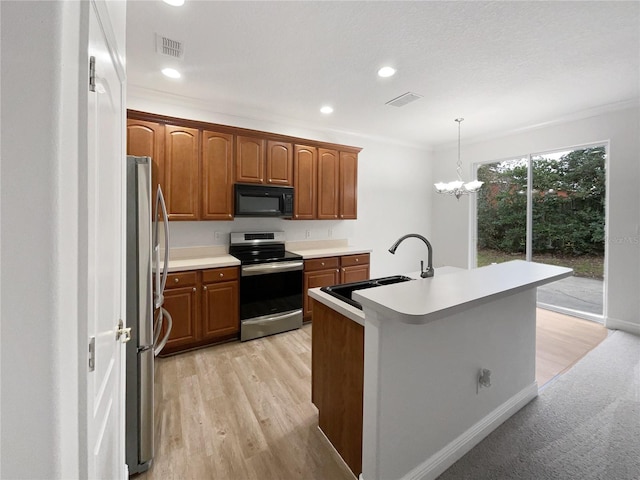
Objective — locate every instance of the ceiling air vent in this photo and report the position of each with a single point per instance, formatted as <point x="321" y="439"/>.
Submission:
<point x="169" y="47"/>
<point x="403" y="99"/>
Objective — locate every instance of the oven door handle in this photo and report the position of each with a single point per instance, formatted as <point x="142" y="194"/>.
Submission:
<point x="267" y="268"/>
<point x="271" y="318"/>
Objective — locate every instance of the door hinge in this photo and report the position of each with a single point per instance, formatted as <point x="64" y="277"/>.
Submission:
<point x="92" y="354"/>
<point x="92" y="74"/>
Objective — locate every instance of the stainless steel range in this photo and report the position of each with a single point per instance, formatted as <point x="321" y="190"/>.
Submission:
<point x="270" y="284"/>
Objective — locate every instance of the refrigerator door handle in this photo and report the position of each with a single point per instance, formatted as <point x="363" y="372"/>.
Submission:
<point x="162" y="314"/>
<point x="161" y="276"/>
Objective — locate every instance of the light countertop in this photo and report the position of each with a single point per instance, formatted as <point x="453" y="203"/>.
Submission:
<point x="310" y="253"/>
<point x="428" y="299"/>
<point x="199" y="258"/>
<point x="216" y="256"/>
<point x="354" y="313"/>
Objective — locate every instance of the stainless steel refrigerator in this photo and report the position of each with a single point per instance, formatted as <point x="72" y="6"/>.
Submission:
<point x="145" y="313"/>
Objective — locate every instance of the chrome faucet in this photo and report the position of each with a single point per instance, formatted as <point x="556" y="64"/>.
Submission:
<point x="423" y="273"/>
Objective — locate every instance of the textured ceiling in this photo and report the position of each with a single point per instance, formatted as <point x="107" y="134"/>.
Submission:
<point x="501" y="65"/>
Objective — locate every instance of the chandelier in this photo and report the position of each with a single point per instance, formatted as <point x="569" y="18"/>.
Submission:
<point x="458" y="188"/>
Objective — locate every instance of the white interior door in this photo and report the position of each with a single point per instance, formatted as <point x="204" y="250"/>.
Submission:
<point x="105" y="254"/>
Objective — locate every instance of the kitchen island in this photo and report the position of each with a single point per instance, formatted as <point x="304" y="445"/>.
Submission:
<point x="422" y="345"/>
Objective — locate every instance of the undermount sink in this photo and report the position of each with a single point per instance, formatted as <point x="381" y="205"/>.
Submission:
<point x="344" y="292"/>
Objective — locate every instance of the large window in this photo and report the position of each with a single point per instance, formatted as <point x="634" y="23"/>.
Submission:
<point x="548" y="208"/>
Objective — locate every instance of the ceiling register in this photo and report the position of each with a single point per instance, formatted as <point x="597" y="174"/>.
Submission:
<point x="458" y="188"/>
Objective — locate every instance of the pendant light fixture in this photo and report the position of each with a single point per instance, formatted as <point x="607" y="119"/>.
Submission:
<point x="458" y="188"/>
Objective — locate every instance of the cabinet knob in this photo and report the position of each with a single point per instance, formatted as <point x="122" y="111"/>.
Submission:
<point x="221" y="275"/>
<point x="204" y="288"/>
<point x="337" y="270"/>
<point x="357" y="260"/>
<point x="322" y="263"/>
<point x="176" y="280"/>
<point x="194" y="289"/>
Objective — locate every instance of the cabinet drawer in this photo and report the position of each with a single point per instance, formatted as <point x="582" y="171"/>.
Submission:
<point x="351" y="260"/>
<point x="219" y="275"/>
<point x="181" y="279"/>
<point x="321" y="263"/>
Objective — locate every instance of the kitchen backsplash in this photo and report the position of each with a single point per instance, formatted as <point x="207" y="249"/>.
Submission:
<point x="191" y="234"/>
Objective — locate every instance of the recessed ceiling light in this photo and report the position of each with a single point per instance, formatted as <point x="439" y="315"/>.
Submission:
<point x="386" y="72"/>
<point x="326" y="109"/>
<point x="171" y="73"/>
<point x="174" y="3"/>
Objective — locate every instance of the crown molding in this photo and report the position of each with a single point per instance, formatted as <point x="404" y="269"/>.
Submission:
<point x="253" y="116"/>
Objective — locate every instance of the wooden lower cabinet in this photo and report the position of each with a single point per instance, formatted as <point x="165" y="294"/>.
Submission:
<point x="337" y="381"/>
<point x="354" y="268"/>
<point x="220" y="303"/>
<point x="327" y="271"/>
<point x="319" y="272"/>
<point x="204" y="305"/>
<point x="181" y="303"/>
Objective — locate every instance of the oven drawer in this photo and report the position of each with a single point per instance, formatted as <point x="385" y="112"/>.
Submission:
<point x="220" y="275"/>
<point x="181" y="279"/>
<point x="322" y="263"/>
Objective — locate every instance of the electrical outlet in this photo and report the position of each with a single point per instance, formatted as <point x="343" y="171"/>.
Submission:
<point x="216" y="235"/>
<point x="307" y="233"/>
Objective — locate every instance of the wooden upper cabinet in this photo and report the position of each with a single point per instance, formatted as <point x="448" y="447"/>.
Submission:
<point x="328" y="184"/>
<point x="249" y="159"/>
<point x="279" y="164"/>
<point x="181" y="172"/>
<point x="348" y="185"/>
<point x="305" y="170"/>
<point x="217" y="176"/>
<point x="146" y="139"/>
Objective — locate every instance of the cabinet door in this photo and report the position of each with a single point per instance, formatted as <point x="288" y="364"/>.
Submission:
<point x="249" y="160"/>
<point x="305" y="182"/>
<point x="328" y="182"/>
<point x="319" y="278"/>
<point x="279" y="165"/>
<point x="356" y="273"/>
<point x="220" y="306"/>
<point x="181" y="303"/>
<point x="348" y="185"/>
<point x="146" y="139"/>
<point x="181" y="172"/>
<point x="217" y="176"/>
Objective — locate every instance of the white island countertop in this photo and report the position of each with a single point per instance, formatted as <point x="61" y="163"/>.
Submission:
<point x="427" y="299"/>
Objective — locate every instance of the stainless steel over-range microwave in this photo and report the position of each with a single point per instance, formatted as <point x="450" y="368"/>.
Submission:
<point x="263" y="201"/>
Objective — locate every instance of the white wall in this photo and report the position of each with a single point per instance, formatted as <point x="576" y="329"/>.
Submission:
<point x="622" y="129"/>
<point x="393" y="192"/>
<point x="41" y="58"/>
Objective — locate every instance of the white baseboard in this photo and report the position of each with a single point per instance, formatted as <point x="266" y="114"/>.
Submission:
<point x="438" y="463"/>
<point x="624" y="325"/>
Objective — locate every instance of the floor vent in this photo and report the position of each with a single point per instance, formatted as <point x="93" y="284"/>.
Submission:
<point x="170" y="48"/>
<point x="403" y="99"/>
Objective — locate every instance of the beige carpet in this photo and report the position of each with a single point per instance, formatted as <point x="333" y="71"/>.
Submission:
<point x="585" y="425"/>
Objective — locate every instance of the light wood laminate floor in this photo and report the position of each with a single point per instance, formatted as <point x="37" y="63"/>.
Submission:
<point x="242" y="411"/>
